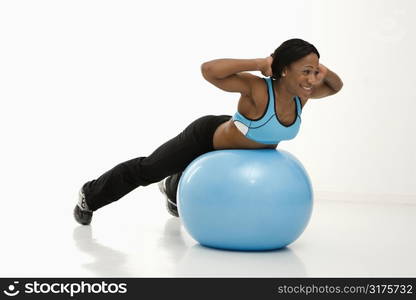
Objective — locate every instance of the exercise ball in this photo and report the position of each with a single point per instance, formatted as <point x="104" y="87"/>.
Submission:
<point x="247" y="200"/>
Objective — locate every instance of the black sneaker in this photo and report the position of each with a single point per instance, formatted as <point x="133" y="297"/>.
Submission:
<point x="170" y="205"/>
<point x="82" y="213"/>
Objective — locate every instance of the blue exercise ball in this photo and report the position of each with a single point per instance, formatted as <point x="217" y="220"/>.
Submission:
<point x="245" y="199"/>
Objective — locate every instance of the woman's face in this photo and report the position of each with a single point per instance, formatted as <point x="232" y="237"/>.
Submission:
<point x="301" y="75"/>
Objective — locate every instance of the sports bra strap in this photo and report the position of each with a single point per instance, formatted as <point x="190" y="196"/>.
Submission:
<point x="271" y="100"/>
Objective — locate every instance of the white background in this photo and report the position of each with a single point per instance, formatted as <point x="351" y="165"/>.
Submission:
<point x="85" y="85"/>
<point x="88" y="84"/>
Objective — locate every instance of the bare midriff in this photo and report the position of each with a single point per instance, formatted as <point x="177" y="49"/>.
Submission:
<point x="227" y="136"/>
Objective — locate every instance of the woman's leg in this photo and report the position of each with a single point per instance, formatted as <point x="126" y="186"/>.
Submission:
<point x="170" y="158"/>
<point x="170" y="185"/>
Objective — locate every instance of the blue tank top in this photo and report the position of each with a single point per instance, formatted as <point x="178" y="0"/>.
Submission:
<point x="268" y="129"/>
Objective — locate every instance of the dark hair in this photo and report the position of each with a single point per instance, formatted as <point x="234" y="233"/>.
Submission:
<point x="289" y="52"/>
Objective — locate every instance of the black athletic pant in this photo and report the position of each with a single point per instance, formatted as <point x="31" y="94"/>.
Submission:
<point x="169" y="159"/>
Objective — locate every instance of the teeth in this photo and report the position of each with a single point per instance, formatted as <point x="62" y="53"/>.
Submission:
<point x="306" y="88"/>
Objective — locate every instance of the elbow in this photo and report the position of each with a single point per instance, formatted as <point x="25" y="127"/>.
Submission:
<point x="206" y="70"/>
<point x="340" y="85"/>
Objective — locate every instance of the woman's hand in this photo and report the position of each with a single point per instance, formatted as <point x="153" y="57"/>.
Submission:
<point x="265" y="66"/>
<point x="323" y="71"/>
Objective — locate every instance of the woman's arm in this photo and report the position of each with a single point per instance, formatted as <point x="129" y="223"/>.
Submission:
<point x="328" y="83"/>
<point x="224" y="67"/>
<point x="228" y="74"/>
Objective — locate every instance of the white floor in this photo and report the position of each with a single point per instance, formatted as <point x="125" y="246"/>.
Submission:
<point x="135" y="237"/>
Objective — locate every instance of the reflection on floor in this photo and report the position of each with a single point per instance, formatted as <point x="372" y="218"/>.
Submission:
<point x="137" y="238"/>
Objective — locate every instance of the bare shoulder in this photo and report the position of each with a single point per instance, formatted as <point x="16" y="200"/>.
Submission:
<point x="255" y="82"/>
<point x="248" y="103"/>
<point x="259" y="89"/>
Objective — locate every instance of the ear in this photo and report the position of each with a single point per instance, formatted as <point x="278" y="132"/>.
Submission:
<point x="284" y="72"/>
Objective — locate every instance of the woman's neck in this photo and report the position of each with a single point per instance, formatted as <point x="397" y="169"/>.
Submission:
<point x="282" y="92"/>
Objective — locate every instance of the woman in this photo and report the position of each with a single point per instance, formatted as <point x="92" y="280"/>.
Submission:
<point x="269" y="111"/>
